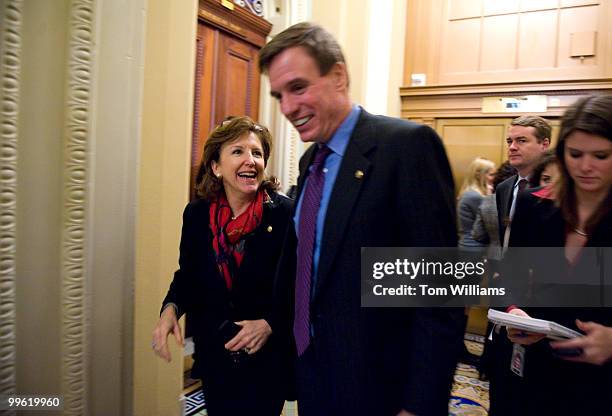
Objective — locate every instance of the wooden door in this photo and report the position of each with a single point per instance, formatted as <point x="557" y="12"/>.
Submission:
<point x="226" y="84"/>
<point x="202" y="115"/>
<point x="227" y="76"/>
<point x="237" y="86"/>
<point x="466" y="139"/>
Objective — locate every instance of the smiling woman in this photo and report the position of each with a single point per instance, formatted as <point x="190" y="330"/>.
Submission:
<point x="232" y="237"/>
<point x="233" y="139"/>
<point x="240" y="166"/>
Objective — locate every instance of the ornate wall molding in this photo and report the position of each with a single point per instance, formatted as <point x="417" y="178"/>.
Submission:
<point x="9" y="74"/>
<point x="238" y="21"/>
<point x="77" y="133"/>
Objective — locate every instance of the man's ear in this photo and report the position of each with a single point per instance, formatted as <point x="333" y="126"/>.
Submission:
<point x="546" y="143"/>
<point x="339" y="75"/>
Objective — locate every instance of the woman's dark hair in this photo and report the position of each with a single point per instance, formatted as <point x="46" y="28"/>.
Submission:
<point x="208" y="186"/>
<point x="593" y="115"/>
<point x="547" y="158"/>
<point x="504" y="171"/>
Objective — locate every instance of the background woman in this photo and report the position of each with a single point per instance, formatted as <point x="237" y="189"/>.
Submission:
<point x="477" y="184"/>
<point x="574" y="214"/>
<point x="231" y="238"/>
<point x="546" y="172"/>
<point x="486" y="226"/>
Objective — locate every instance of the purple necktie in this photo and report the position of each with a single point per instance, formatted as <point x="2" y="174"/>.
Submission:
<point x="311" y="201"/>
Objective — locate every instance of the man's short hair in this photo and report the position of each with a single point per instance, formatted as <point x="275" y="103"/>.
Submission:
<point x="317" y="42"/>
<point x="541" y="126"/>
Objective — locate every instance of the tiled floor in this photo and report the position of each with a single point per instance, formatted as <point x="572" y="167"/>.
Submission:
<point x="289" y="410"/>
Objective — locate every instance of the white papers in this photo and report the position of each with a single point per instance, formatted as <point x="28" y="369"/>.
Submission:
<point x="550" y="329"/>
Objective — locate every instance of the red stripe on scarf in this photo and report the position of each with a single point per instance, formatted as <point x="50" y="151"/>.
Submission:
<point x="228" y="233"/>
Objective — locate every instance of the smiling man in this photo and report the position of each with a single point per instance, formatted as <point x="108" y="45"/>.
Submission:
<point x="368" y="181"/>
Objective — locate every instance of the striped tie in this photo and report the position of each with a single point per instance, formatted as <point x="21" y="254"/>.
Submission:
<point x="307" y="226"/>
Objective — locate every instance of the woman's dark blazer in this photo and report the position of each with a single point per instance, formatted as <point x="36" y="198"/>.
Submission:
<point x="552" y="385"/>
<point x="199" y="290"/>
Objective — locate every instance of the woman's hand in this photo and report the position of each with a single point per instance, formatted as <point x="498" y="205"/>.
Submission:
<point x="167" y="324"/>
<point x="251" y="337"/>
<point x="596" y="345"/>
<point x="519" y="336"/>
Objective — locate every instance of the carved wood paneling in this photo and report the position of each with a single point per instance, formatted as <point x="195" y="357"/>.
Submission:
<point x="10" y="47"/>
<point x="77" y="133"/>
<point x="239" y="21"/>
<point x="227" y="73"/>
<point x="455" y="112"/>
<point x="466" y="100"/>
<point x="460" y="42"/>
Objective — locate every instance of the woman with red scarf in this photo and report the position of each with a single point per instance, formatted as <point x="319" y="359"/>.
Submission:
<point x="231" y="240"/>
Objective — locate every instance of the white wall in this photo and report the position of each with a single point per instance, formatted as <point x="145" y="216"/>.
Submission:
<point x="372" y="34"/>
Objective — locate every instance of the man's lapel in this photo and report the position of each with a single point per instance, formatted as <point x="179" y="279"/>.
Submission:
<point x="353" y="172"/>
<point x="305" y="162"/>
<point x="508" y="198"/>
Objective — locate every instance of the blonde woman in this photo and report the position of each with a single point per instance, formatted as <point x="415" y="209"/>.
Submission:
<point x="476" y="185"/>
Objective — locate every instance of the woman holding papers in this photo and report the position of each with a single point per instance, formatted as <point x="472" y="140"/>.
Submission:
<point x="573" y="376"/>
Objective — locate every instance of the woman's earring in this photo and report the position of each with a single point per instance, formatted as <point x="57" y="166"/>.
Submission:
<point x="218" y="175"/>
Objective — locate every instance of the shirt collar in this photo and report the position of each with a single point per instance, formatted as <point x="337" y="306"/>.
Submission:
<point x="341" y="137"/>
<point x="520" y="178"/>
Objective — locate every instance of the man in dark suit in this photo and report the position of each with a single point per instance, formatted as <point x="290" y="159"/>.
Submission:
<point x="527" y="140"/>
<point x="367" y="181"/>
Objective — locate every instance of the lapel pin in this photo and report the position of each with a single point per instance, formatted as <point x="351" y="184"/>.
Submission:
<point x="269" y="229"/>
<point x="359" y="174"/>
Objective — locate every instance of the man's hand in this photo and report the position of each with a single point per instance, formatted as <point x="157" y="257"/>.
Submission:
<point x="167" y="324"/>
<point x="596" y="345"/>
<point x="519" y="336"/>
<point x="251" y="337"/>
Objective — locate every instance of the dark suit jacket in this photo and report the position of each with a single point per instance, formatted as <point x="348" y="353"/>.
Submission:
<point x="503" y="198"/>
<point x="199" y="290"/>
<point x="539" y="227"/>
<point x="551" y="385"/>
<point x="370" y="361"/>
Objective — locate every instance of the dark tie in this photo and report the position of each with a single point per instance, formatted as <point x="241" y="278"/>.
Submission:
<point x="522" y="184"/>
<point x="306" y="237"/>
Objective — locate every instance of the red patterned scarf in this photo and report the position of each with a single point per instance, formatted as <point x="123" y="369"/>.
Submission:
<point x="228" y="233"/>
